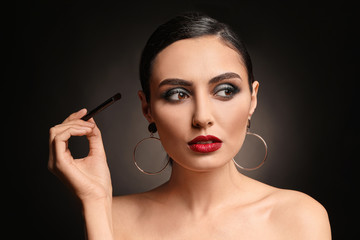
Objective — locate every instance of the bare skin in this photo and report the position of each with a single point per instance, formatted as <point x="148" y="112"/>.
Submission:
<point x="198" y="87"/>
<point x="267" y="213"/>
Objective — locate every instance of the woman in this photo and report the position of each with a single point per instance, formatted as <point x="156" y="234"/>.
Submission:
<point x="199" y="93"/>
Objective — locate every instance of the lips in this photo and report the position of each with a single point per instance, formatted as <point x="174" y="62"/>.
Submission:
<point x="205" y="144"/>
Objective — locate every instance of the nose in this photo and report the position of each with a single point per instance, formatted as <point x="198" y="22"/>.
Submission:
<point x="202" y="117"/>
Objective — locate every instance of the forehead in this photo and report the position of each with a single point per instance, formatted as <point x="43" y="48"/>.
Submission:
<point x="197" y="58"/>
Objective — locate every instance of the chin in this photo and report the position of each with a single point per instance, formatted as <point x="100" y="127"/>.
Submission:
<point x="202" y="163"/>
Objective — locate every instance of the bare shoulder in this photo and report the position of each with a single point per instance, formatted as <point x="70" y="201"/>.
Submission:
<point x="299" y="216"/>
<point x="135" y="203"/>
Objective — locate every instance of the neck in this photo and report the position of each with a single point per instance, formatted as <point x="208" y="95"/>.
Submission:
<point x="201" y="192"/>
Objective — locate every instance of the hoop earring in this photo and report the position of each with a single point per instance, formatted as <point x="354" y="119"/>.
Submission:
<point x="266" y="150"/>
<point x="152" y="129"/>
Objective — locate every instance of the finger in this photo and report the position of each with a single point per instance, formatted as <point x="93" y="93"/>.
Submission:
<point x="60" y="142"/>
<point x="51" y="155"/>
<point x="96" y="145"/>
<point x="79" y="122"/>
<point x="74" y="123"/>
<point x="76" y="115"/>
<point x="62" y="127"/>
<point x="52" y="133"/>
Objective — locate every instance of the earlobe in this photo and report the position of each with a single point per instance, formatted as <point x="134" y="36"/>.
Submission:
<point x="145" y="106"/>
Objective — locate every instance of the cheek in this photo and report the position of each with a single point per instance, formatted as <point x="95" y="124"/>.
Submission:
<point x="232" y="120"/>
<point x="173" y="122"/>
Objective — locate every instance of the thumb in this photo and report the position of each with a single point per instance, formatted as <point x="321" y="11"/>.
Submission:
<point x="76" y="115"/>
<point x="96" y="145"/>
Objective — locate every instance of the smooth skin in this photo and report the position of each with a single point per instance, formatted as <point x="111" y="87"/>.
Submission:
<point x="198" y="87"/>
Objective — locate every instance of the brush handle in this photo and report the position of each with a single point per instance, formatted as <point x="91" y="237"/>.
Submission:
<point x="101" y="107"/>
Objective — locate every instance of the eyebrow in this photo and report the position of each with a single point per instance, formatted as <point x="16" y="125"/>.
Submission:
<point x="224" y="76"/>
<point x="182" y="82"/>
<point x="175" y="81"/>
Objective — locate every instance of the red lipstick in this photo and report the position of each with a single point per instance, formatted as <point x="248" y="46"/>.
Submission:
<point x="205" y="144"/>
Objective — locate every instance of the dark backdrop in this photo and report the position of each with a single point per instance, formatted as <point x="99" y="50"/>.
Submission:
<point x="73" y="54"/>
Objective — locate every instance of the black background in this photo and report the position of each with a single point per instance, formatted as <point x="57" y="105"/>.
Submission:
<point x="72" y="54"/>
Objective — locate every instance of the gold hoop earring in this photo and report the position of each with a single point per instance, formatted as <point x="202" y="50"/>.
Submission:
<point x="152" y="129"/>
<point x="266" y="150"/>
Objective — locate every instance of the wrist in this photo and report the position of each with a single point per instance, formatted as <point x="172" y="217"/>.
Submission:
<point x="93" y="207"/>
<point x="98" y="218"/>
<point x="96" y="201"/>
<point x="95" y="196"/>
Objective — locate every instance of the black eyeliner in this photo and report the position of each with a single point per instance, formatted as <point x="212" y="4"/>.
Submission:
<point x="166" y="95"/>
<point x="227" y="86"/>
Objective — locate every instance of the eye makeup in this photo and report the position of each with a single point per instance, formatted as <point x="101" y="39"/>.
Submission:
<point x="226" y="90"/>
<point x="175" y="94"/>
<point x="226" y="87"/>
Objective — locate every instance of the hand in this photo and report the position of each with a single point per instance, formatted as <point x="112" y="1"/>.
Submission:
<point x="88" y="177"/>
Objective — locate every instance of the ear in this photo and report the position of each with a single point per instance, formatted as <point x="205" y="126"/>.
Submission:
<point x="253" y="103"/>
<point x="145" y="106"/>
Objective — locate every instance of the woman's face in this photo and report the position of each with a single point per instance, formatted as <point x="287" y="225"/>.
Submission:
<point x="199" y="87"/>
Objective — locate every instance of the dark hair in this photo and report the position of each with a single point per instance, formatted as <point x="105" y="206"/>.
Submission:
<point x="185" y="26"/>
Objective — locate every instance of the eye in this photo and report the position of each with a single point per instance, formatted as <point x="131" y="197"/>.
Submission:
<point x="224" y="93"/>
<point x="176" y="94"/>
<point x="226" y="90"/>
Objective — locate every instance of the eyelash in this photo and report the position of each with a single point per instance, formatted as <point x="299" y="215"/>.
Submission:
<point x="167" y="95"/>
<point x="226" y="87"/>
